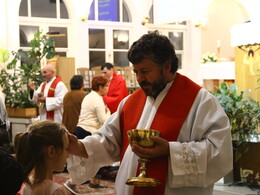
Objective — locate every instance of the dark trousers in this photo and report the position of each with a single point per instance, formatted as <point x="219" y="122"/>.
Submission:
<point x="81" y="133"/>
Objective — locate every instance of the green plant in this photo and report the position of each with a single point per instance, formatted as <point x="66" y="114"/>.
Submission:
<point x="209" y="57"/>
<point x="25" y="67"/>
<point x="243" y="113"/>
<point x="4" y="56"/>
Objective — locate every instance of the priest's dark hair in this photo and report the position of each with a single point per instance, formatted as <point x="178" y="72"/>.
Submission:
<point x="155" y="47"/>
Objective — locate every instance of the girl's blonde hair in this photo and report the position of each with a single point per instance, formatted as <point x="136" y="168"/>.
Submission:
<point x="30" y="146"/>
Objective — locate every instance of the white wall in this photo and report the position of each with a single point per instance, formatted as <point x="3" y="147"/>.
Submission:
<point x="222" y="15"/>
<point x="3" y="39"/>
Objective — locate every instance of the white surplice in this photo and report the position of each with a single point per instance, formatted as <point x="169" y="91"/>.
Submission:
<point x="200" y="157"/>
<point x="52" y="103"/>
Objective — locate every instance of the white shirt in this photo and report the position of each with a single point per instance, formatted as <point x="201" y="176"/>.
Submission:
<point x="52" y="103"/>
<point x="200" y="157"/>
<point x="93" y="112"/>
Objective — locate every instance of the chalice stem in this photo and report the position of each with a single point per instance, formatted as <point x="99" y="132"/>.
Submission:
<point x="143" y="167"/>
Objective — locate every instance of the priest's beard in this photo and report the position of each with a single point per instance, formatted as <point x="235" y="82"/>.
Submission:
<point x="154" y="88"/>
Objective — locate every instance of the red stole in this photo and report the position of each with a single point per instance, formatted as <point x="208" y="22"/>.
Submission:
<point x="168" y="120"/>
<point x="50" y="114"/>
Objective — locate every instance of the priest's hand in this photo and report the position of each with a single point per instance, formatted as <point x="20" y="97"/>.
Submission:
<point x="76" y="147"/>
<point x="42" y="99"/>
<point x="161" y="148"/>
<point x="31" y="85"/>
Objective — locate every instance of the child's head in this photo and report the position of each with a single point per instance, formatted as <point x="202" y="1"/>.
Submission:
<point x="41" y="147"/>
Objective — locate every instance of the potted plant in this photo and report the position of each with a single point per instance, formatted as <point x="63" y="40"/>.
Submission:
<point x="25" y="66"/>
<point x="244" y="116"/>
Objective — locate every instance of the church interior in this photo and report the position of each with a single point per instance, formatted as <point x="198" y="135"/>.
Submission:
<point x="216" y="42"/>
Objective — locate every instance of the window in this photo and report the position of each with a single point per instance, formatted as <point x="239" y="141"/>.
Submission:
<point x="43" y="9"/>
<point x="107" y="43"/>
<point x="120" y="47"/>
<point x="109" y="11"/>
<point x="115" y="51"/>
<point x="176" y="39"/>
<point x="26" y="34"/>
<point x="60" y="41"/>
<point x="96" y="47"/>
<point x="50" y="12"/>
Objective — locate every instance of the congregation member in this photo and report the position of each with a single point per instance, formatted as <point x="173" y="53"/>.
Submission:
<point x="49" y="96"/>
<point x="11" y="174"/>
<point x="40" y="151"/>
<point x="94" y="112"/>
<point x="117" y="87"/>
<point x="5" y="140"/>
<point x="72" y="103"/>
<point x="194" y="148"/>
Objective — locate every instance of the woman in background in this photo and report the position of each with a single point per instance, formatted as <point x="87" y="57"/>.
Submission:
<point x="93" y="111"/>
<point x="40" y="151"/>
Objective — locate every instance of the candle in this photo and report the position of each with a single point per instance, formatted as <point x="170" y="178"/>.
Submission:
<point x="218" y="44"/>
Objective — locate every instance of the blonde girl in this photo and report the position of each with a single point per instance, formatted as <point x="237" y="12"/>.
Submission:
<point x="40" y="151"/>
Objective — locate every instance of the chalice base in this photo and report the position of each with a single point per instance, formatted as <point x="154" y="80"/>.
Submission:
<point x="143" y="182"/>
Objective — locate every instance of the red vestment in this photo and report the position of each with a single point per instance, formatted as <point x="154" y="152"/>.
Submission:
<point x="50" y="114"/>
<point x="169" y="118"/>
<point x="116" y="92"/>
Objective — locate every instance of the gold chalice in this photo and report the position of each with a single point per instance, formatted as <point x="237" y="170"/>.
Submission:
<point x="142" y="138"/>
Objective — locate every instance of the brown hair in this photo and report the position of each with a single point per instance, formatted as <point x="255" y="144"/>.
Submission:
<point x="30" y="146"/>
<point x="98" y="81"/>
<point x="155" y="47"/>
